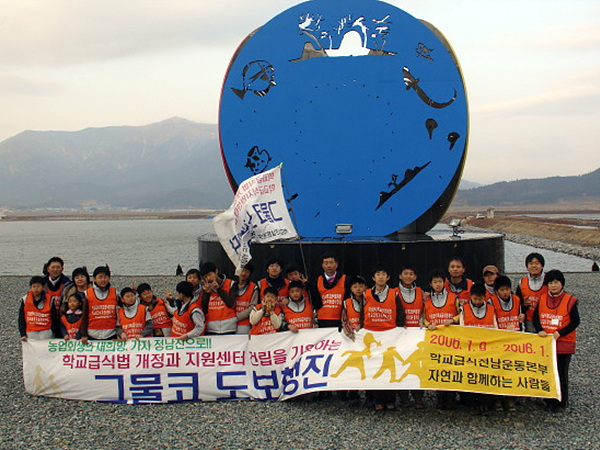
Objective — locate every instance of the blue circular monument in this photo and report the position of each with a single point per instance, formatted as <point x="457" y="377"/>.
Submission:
<point x="363" y="104"/>
<point x="366" y="108"/>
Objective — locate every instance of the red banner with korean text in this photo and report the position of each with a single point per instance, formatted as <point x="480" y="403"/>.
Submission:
<point x="284" y="365"/>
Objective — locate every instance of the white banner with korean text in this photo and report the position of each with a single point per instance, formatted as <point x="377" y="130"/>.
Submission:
<point x="283" y="365"/>
<point x="258" y="213"/>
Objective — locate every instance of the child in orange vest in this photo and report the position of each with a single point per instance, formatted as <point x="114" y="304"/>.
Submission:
<point x="441" y="308"/>
<point x="36" y="315"/>
<point x="246" y="297"/>
<point x="298" y="313"/>
<point x="478" y="312"/>
<point x="411" y="297"/>
<point x="218" y="303"/>
<point x="531" y="288"/>
<point x="188" y="318"/>
<point x="134" y="321"/>
<point x="382" y="311"/>
<point x="557" y="315"/>
<point x="266" y="318"/>
<point x="353" y="305"/>
<point x="100" y="308"/>
<point x="160" y="311"/>
<point x="70" y="320"/>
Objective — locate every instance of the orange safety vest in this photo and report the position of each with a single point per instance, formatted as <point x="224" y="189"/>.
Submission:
<point x="463" y="296"/>
<point x="436" y="315"/>
<point x="133" y="327"/>
<point x="183" y="323"/>
<point x="413" y="311"/>
<point x="264" y="326"/>
<point x="507" y="320"/>
<point x="379" y="316"/>
<point x="282" y="294"/>
<point x="554" y="319"/>
<point x="332" y="299"/>
<point x="160" y="316"/>
<point x="72" y="328"/>
<point x="38" y="319"/>
<point x="242" y="302"/>
<point x="102" y="314"/>
<point x="352" y="313"/>
<point x="217" y="309"/>
<point x="302" y="319"/>
<point x="533" y="296"/>
<point x="471" y="320"/>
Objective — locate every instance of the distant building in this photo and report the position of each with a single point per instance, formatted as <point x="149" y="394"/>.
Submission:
<point x="490" y="213"/>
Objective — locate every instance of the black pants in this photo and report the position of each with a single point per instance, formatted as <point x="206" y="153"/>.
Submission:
<point x="562" y="364"/>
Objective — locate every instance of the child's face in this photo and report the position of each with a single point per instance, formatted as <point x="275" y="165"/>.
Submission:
<point x="489" y="278"/>
<point x="55" y="269"/>
<point x="36" y="289"/>
<point x="504" y="292"/>
<point x="102" y="280"/>
<point x="244" y="275"/>
<point x="477" y="300"/>
<point x="554" y="287"/>
<point x="381" y="278"/>
<point x="146" y="296"/>
<point x="270" y="299"/>
<point x="296" y="294"/>
<point x="329" y="266"/>
<point x="456" y="269"/>
<point x="437" y="284"/>
<point x="74" y="303"/>
<point x="193" y="278"/>
<point x="128" y="299"/>
<point x="534" y="267"/>
<point x="358" y="289"/>
<point x="408" y="277"/>
<point x="274" y="270"/>
<point x="294" y="275"/>
<point x="80" y="280"/>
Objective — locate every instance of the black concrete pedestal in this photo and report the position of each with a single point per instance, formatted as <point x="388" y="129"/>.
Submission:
<point x="358" y="256"/>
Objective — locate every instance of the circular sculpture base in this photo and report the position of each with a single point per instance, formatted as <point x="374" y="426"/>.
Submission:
<point x="424" y="252"/>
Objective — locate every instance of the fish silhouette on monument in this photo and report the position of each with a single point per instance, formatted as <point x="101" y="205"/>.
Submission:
<point x="413" y="83"/>
<point x="258" y="77"/>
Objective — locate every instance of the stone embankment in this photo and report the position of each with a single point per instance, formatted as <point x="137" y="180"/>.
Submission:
<point x="579" y="238"/>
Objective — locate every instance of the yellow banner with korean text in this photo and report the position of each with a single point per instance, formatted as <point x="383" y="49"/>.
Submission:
<point x="489" y="361"/>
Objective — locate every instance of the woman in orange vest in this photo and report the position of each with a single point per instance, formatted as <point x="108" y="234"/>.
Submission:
<point x="557" y="316"/>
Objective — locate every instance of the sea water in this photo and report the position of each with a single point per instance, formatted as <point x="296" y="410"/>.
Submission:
<point x="155" y="247"/>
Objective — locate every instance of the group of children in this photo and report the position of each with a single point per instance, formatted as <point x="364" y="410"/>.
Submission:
<point x="208" y="303"/>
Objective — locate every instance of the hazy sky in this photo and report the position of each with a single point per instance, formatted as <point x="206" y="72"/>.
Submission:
<point x="531" y="67"/>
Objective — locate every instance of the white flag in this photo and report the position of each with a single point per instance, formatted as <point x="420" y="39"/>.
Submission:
<point x="258" y="213"/>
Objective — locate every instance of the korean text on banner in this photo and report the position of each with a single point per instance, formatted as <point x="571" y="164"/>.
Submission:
<point x="283" y="365"/>
<point x="258" y="213"/>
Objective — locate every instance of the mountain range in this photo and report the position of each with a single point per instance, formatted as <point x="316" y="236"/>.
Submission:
<point x="541" y="191"/>
<point x="176" y="164"/>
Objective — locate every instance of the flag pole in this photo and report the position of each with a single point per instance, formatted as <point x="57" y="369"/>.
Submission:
<point x="293" y="216"/>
